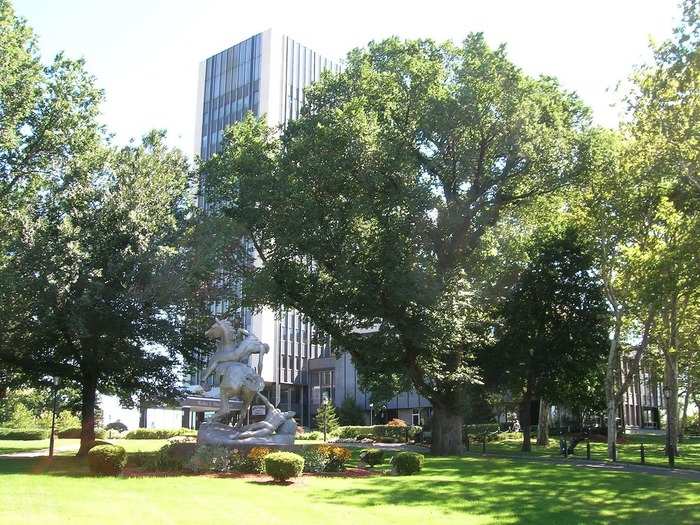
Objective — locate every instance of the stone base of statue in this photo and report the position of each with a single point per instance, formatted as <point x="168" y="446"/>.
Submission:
<point x="278" y="429"/>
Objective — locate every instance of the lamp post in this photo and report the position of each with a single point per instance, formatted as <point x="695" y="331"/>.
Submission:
<point x="371" y="410"/>
<point x="325" y="416"/>
<point x="669" y="447"/>
<point x="55" y="381"/>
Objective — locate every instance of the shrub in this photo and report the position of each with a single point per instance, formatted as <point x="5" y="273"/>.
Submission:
<point x="308" y="436"/>
<point x="396" y="423"/>
<point x="29" y="434"/>
<point x="116" y="425"/>
<point x="210" y="458"/>
<point x="385" y="439"/>
<point x="372" y="456"/>
<point x="378" y="431"/>
<point x="284" y="465"/>
<point x="74" y="433"/>
<point x="407" y="463"/>
<point x="171" y="456"/>
<point x="159" y="433"/>
<point x="481" y="429"/>
<point x="255" y="460"/>
<point x="315" y="459"/>
<point x="107" y="459"/>
<point x="337" y="457"/>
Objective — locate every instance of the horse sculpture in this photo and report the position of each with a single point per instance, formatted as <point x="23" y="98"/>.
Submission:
<point x="230" y="362"/>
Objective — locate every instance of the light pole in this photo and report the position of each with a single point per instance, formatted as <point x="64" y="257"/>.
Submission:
<point x="669" y="447"/>
<point x="371" y="410"/>
<point x="56" y="381"/>
<point x="325" y="416"/>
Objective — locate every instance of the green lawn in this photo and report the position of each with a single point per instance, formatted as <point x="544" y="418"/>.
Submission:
<point x="67" y="447"/>
<point x="450" y="490"/>
<point x="627" y="452"/>
<point x="12" y="446"/>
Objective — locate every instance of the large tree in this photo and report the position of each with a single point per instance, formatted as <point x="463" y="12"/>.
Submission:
<point x="99" y="287"/>
<point x="371" y="209"/>
<point x="553" y="328"/>
<point x="665" y="138"/>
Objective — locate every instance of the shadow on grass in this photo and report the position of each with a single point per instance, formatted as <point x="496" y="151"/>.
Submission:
<point x="70" y="466"/>
<point x="520" y="493"/>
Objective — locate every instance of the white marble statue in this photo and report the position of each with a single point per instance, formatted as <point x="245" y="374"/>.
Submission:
<point x="230" y="363"/>
<point x="238" y="379"/>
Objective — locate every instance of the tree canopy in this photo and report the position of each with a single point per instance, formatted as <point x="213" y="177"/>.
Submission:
<point x="371" y="209"/>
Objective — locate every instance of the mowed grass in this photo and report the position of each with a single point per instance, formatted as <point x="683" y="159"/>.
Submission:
<point x="70" y="446"/>
<point x="13" y="446"/>
<point x="468" y="490"/>
<point x="629" y="452"/>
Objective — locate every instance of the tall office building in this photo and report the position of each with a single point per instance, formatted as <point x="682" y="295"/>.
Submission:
<point x="265" y="74"/>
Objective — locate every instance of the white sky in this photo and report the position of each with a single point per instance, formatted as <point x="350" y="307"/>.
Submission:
<point x="145" y="53"/>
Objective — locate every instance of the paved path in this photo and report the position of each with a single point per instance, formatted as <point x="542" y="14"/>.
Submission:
<point x="601" y="465"/>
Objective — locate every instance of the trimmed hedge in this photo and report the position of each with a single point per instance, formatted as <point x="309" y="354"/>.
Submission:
<point x="284" y="465"/>
<point x="74" y="433"/>
<point x="22" y="434"/>
<point x="107" y="459"/>
<point x="372" y="456"/>
<point x="407" y="463"/>
<point x="159" y="433"/>
<point x="377" y="432"/>
<point x="481" y="429"/>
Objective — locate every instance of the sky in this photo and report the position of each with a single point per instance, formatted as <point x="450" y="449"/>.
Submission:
<point x="145" y="53"/>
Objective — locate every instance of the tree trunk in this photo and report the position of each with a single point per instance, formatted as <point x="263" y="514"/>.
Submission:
<point x="684" y="418"/>
<point x="447" y="433"/>
<point x="613" y="396"/>
<point x="543" y="424"/>
<point x="87" y="412"/>
<point x="525" y="416"/>
<point x="671" y="374"/>
<point x="612" y="426"/>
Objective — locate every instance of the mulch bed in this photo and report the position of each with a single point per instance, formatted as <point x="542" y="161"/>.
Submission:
<point x="347" y="473"/>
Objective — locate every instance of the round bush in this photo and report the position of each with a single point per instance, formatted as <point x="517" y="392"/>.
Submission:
<point x="116" y="425"/>
<point x="337" y="458"/>
<point x="107" y="459"/>
<point x="283" y="465"/>
<point x="407" y="463"/>
<point x="372" y="456"/>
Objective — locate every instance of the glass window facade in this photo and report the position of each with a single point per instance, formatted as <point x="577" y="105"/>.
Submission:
<point x="301" y="67"/>
<point x="231" y="89"/>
